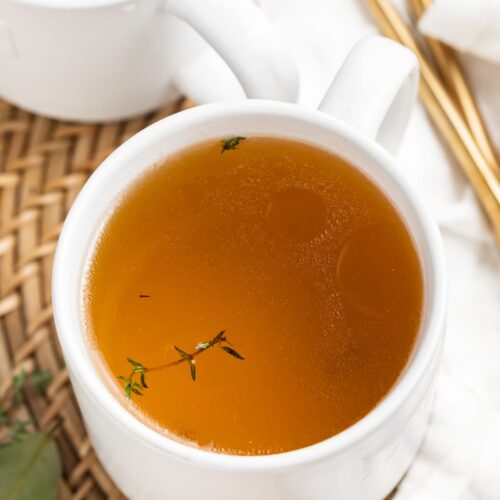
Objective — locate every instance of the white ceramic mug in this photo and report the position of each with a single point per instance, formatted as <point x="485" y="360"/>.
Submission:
<point x="96" y="60"/>
<point x="373" y="94"/>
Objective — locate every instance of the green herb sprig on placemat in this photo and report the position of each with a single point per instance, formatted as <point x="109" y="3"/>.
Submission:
<point x="30" y="466"/>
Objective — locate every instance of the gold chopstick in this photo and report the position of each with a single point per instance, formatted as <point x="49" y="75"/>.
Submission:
<point x="446" y="116"/>
<point x="453" y="75"/>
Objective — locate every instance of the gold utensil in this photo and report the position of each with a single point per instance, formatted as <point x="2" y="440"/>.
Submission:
<point x="453" y="75"/>
<point x="446" y="116"/>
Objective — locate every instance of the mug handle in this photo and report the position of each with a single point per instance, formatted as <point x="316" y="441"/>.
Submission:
<point x="247" y="41"/>
<point x="375" y="90"/>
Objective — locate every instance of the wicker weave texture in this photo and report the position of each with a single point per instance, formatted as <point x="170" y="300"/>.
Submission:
<point x="43" y="165"/>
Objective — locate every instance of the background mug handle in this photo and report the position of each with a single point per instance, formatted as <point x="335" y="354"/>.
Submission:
<point x="375" y="90"/>
<point x="249" y="44"/>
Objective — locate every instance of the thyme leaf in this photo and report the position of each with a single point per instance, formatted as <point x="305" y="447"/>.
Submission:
<point x="232" y="352"/>
<point x="231" y="143"/>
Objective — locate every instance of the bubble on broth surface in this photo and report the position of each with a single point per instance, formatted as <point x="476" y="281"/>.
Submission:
<point x="371" y="281"/>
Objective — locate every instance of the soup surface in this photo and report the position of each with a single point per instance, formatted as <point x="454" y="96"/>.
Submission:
<point x="298" y="257"/>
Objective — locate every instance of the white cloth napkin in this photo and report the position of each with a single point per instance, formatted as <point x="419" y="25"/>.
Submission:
<point x="471" y="26"/>
<point x="460" y="458"/>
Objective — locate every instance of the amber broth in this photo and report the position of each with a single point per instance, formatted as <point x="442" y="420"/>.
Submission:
<point x="298" y="256"/>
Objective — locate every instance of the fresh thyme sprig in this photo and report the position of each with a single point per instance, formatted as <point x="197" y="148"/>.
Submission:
<point x="39" y="378"/>
<point x="18" y="381"/>
<point x="19" y="430"/>
<point x="30" y="466"/>
<point x="231" y="143"/>
<point x="16" y="430"/>
<point x="132" y="385"/>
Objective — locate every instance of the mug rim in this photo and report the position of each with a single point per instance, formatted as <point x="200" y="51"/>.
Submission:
<point x="67" y="315"/>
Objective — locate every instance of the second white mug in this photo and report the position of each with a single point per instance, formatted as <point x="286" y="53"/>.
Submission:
<point x="96" y="60"/>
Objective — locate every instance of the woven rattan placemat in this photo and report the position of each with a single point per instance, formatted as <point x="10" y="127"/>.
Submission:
<point x="43" y="165"/>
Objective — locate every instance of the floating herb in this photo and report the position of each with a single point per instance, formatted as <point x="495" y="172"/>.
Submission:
<point x="232" y="352"/>
<point x="231" y="143"/>
<point x="135" y="383"/>
<point x="144" y="296"/>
